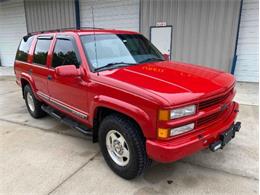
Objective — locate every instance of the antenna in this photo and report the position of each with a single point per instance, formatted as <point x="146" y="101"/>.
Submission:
<point x="95" y="44"/>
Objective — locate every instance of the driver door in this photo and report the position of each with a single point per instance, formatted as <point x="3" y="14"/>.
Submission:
<point x="68" y="94"/>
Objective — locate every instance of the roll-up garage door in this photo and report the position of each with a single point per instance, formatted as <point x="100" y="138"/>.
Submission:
<point x="12" y="29"/>
<point x="247" y="68"/>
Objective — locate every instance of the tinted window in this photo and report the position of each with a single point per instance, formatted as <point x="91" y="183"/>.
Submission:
<point x="65" y="53"/>
<point x="41" y="51"/>
<point x="23" y="50"/>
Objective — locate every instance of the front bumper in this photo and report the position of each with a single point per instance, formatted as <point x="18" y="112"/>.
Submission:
<point x="175" y="149"/>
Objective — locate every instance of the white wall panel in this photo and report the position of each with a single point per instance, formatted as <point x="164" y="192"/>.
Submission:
<point x="12" y="29"/>
<point x="113" y="14"/>
<point x="204" y="31"/>
<point x="49" y="14"/>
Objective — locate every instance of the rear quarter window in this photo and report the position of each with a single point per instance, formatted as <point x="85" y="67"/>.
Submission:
<point x="23" y="50"/>
<point x="41" y="51"/>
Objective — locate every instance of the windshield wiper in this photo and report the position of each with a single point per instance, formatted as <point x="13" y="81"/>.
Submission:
<point x="117" y="64"/>
<point x="151" y="59"/>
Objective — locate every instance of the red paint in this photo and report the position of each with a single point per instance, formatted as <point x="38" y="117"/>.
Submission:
<point x="183" y="146"/>
<point x="138" y="91"/>
<point x="67" y="71"/>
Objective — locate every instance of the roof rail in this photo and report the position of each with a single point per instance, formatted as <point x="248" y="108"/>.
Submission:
<point x="62" y="29"/>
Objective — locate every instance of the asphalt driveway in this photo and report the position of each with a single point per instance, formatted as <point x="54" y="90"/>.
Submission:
<point x="45" y="157"/>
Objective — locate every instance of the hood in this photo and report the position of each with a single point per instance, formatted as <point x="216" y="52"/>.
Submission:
<point x="175" y="82"/>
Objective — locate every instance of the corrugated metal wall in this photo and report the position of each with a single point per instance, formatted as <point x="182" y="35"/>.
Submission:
<point x="118" y="14"/>
<point x="12" y="28"/>
<point x="204" y="31"/>
<point x="49" y="14"/>
<point x="247" y="68"/>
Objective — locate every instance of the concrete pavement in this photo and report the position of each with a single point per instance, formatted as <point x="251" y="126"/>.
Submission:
<point x="45" y="157"/>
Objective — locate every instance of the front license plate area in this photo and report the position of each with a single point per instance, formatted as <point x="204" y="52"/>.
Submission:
<point x="228" y="135"/>
<point x="225" y="137"/>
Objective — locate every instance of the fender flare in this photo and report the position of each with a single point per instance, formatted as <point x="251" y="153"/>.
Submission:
<point x="130" y="110"/>
<point x="28" y="78"/>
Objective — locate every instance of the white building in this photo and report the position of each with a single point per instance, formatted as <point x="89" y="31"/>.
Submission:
<point x="218" y="33"/>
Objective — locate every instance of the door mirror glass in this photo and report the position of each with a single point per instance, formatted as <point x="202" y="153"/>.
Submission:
<point x="67" y="71"/>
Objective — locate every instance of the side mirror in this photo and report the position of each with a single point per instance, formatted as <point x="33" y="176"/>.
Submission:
<point x="67" y="71"/>
<point x="166" y="56"/>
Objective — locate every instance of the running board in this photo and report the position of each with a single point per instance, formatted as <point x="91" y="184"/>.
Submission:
<point x="66" y="120"/>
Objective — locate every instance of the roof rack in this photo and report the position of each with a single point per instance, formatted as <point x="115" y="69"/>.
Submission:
<point x="61" y="30"/>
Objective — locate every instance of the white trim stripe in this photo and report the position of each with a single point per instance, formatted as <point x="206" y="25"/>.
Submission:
<point x="62" y="105"/>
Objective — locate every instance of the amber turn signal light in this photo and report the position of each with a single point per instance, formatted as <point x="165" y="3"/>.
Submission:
<point x="163" y="133"/>
<point x="164" y="115"/>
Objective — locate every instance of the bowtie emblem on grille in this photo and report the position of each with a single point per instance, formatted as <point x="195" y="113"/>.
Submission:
<point x="223" y="107"/>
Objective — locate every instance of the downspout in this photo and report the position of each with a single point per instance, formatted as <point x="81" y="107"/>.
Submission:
<point x="234" y="62"/>
<point x="140" y="16"/>
<point x="25" y="15"/>
<point x="77" y="13"/>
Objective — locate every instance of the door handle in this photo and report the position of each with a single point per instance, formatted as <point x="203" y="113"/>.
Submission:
<point x="49" y="77"/>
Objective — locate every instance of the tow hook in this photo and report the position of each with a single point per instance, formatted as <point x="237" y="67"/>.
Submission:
<point x="225" y="137"/>
<point x="237" y="126"/>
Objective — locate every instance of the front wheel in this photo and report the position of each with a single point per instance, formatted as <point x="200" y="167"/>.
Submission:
<point x="122" y="146"/>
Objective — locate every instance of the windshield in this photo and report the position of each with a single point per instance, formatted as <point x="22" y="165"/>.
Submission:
<point x="118" y="49"/>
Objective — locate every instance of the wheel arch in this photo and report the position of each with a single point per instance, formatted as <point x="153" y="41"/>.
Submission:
<point x="113" y="106"/>
<point x="27" y="80"/>
<point x="101" y="112"/>
<point x="24" y="82"/>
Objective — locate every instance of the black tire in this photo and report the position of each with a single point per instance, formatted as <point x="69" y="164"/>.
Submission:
<point x="138" y="160"/>
<point x="37" y="112"/>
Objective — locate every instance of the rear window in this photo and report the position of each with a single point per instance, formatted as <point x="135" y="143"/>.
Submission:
<point x="23" y="50"/>
<point x="41" y="51"/>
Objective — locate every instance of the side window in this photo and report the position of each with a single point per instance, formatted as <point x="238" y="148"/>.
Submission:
<point x="41" y="51"/>
<point x="65" y="53"/>
<point x="23" y="50"/>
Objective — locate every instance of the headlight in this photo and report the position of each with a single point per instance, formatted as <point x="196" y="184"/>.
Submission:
<point x="165" y="115"/>
<point x="181" y="112"/>
<point x="181" y="129"/>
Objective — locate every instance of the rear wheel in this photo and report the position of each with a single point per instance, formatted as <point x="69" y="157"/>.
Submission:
<point x="122" y="146"/>
<point x="33" y="105"/>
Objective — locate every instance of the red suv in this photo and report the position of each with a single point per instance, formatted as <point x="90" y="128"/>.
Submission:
<point x="117" y="87"/>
